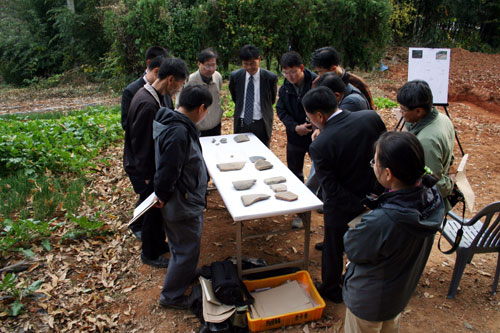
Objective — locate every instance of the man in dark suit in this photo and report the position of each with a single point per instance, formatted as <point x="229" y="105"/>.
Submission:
<point x="341" y="154"/>
<point x="254" y="92"/>
<point x="132" y="88"/>
<point x="139" y="152"/>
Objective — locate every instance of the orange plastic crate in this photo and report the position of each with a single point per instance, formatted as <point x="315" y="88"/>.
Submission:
<point x="292" y="318"/>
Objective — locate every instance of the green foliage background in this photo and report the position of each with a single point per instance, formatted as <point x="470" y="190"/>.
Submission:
<point x="107" y="39"/>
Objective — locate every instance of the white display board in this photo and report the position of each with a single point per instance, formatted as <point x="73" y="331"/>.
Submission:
<point x="432" y="66"/>
<point x="217" y="152"/>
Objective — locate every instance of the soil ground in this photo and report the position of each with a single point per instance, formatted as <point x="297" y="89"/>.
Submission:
<point x="100" y="284"/>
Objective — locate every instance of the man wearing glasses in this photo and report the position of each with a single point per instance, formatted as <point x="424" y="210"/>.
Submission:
<point x="208" y="76"/>
<point x="298" y="81"/>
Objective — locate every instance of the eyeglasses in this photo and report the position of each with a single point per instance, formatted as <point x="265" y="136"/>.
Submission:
<point x="210" y="66"/>
<point x="290" y="73"/>
<point x="372" y="162"/>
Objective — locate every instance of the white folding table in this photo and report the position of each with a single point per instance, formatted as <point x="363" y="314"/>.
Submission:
<point x="216" y="152"/>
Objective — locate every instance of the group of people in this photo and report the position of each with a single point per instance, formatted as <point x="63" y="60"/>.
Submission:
<point x="398" y="180"/>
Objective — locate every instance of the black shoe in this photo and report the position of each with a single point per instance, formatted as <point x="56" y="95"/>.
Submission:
<point x="319" y="246"/>
<point x="335" y="297"/>
<point x="160" y="262"/>
<point x="181" y="304"/>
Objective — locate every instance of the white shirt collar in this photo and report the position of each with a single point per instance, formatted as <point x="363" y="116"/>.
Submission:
<point x="334" y="114"/>
<point x="256" y="76"/>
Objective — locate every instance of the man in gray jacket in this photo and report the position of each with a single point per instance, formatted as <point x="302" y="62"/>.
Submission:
<point x="208" y="77"/>
<point x="181" y="185"/>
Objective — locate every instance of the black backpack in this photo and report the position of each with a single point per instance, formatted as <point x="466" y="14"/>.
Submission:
<point x="227" y="286"/>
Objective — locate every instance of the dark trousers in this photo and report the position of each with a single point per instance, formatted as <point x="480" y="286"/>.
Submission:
<point x="153" y="234"/>
<point x="295" y="160"/>
<point x="332" y="259"/>
<point x="184" y="238"/>
<point x="257" y="127"/>
<point x="212" y="132"/>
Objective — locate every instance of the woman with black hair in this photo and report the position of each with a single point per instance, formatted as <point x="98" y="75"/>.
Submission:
<point x="389" y="248"/>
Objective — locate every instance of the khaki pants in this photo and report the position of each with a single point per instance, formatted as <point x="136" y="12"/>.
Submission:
<point x="354" y="324"/>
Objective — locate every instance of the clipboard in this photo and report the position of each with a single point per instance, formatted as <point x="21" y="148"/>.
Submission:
<point x="143" y="207"/>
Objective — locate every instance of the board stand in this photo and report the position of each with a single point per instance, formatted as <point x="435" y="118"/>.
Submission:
<point x="401" y="123"/>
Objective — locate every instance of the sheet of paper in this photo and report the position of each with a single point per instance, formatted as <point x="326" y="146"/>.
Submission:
<point x="463" y="184"/>
<point x="432" y="66"/>
<point x="289" y="297"/>
<point x="144" y="206"/>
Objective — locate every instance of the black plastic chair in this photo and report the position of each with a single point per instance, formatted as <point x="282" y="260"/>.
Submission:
<point x="481" y="234"/>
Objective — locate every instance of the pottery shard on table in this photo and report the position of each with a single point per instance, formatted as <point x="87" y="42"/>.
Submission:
<point x="286" y="196"/>
<point x="230" y="166"/>
<point x="278" y="187"/>
<point x="256" y="158"/>
<point x="274" y="180"/>
<point x="263" y="165"/>
<point x="223" y="140"/>
<point x="241" y="138"/>
<point x="243" y="184"/>
<point x="250" y="199"/>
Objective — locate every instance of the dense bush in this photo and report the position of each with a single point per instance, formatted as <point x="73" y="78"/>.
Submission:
<point x="39" y="38"/>
<point x="357" y="28"/>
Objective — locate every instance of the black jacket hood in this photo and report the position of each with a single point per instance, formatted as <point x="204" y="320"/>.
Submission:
<point x="167" y="117"/>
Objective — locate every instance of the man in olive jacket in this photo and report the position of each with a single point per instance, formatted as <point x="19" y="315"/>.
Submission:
<point x="434" y="130"/>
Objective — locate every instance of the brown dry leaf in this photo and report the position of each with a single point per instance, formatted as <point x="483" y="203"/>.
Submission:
<point x="129" y="289"/>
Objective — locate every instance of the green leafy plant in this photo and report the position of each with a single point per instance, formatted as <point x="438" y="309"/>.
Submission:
<point x="22" y="234"/>
<point x="16" y="293"/>
<point x="60" y="144"/>
<point x="384" y="103"/>
<point x="85" y="227"/>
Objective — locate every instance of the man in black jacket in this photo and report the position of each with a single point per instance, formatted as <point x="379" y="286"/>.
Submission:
<point x="253" y="112"/>
<point x="341" y="154"/>
<point x="180" y="185"/>
<point x="327" y="59"/>
<point x="132" y="88"/>
<point x="298" y="81"/>
<point x="139" y="152"/>
<point x="348" y="96"/>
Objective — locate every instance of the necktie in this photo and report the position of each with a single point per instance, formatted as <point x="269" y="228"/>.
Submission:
<point x="248" y="117"/>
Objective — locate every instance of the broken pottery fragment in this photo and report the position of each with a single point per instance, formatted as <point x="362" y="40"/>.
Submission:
<point x="263" y="165"/>
<point x="223" y="140"/>
<point x="256" y="158"/>
<point x="230" y="166"/>
<point x="253" y="198"/>
<point x="286" y="196"/>
<point x="278" y="187"/>
<point x="241" y="138"/>
<point x="274" y="180"/>
<point x="213" y="140"/>
<point x="243" y="184"/>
